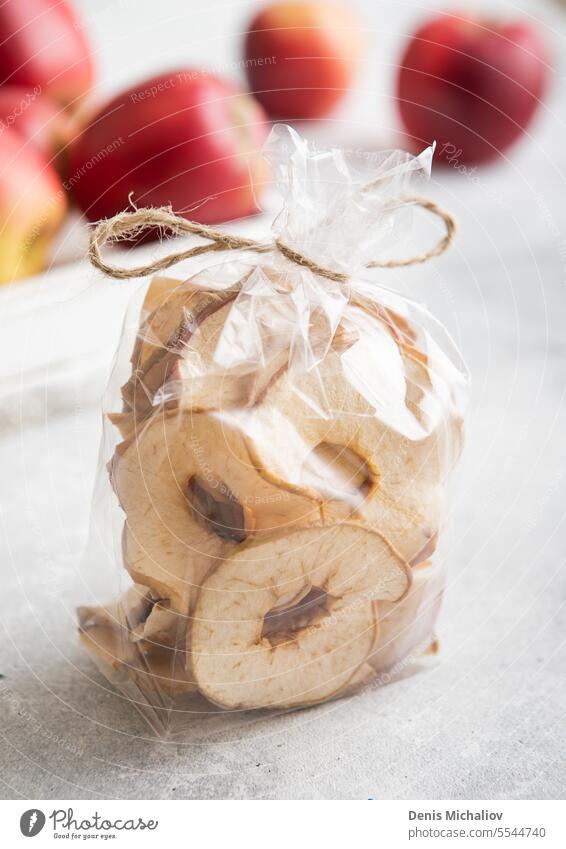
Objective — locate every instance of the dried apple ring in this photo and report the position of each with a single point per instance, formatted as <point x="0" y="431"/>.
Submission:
<point x="191" y="495"/>
<point x="407" y="626"/>
<point x="139" y="666"/>
<point x="390" y="480"/>
<point x="239" y="661"/>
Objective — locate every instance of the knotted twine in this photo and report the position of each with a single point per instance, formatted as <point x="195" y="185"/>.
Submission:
<point x="130" y="225"/>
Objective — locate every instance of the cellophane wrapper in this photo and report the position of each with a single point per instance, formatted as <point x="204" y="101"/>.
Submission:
<point x="276" y="451"/>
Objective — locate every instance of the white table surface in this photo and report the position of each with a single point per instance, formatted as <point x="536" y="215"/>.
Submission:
<point x="487" y="720"/>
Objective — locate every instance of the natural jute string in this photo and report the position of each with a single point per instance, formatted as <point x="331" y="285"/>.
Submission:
<point x="129" y="225"/>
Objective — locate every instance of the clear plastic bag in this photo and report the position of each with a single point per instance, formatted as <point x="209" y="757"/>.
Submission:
<point x="276" y="452"/>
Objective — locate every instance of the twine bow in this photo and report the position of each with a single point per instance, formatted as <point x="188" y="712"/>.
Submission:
<point x="130" y="225"/>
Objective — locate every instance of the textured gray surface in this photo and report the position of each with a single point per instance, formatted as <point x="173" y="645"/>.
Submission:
<point x="487" y="720"/>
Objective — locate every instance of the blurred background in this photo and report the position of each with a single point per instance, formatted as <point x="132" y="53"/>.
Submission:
<point x="171" y="104"/>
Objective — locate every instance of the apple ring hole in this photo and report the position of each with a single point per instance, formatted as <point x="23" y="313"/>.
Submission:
<point x="215" y="507"/>
<point x="284" y="626"/>
<point x="339" y="472"/>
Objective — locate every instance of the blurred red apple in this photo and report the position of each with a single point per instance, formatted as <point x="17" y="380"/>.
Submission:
<point x="186" y="138"/>
<point x="32" y="207"/>
<point x="301" y="57"/>
<point x="471" y="85"/>
<point x="44" y="48"/>
<point x="42" y="121"/>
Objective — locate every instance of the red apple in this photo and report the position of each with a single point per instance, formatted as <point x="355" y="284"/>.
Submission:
<point x="39" y="119"/>
<point x="185" y="138"/>
<point x="32" y="207"/>
<point x="44" y="48"/>
<point x="472" y="85"/>
<point x="301" y="57"/>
